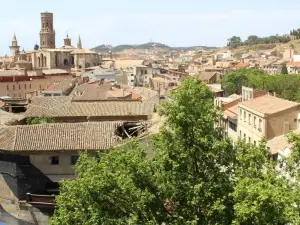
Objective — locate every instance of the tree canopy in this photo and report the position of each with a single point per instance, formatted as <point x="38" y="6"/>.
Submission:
<point x="39" y="120"/>
<point x="285" y="86"/>
<point x="194" y="176"/>
<point x="255" y="40"/>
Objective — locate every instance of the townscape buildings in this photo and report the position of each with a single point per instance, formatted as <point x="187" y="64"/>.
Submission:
<point x="97" y="101"/>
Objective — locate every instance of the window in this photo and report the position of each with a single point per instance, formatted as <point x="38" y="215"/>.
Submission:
<point x="241" y="113"/>
<point x="244" y="116"/>
<point x="74" y="159"/>
<point x="249" y="118"/>
<point x="249" y="139"/>
<point x="260" y="125"/>
<point x="146" y="71"/>
<point x="25" y="86"/>
<point x="132" y="81"/>
<point x="13" y="87"/>
<point x="7" y="87"/>
<point x="19" y="86"/>
<point x="255" y="143"/>
<point x="240" y="134"/>
<point x="245" y="137"/>
<point x="232" y="126"/>
<point x="29" y="86"/>
<point x="142" y="72"/>
<point x="54" y="160"/>
<point x="132" y="75"/>
<point x="254" y="121"/>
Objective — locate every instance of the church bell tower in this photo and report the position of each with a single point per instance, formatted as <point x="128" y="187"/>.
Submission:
<point x="14" y="48"/>
<point x="47" y="34"/>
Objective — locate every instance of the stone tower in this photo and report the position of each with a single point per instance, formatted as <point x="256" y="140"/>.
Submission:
<point x="79" y="44"/>
<point x="47" y="34"/>
<point x="14" y="48"/>
<point x="67" y="41"/>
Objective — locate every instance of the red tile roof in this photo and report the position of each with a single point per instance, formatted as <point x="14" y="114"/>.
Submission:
<point x="232" y="112"/>
<point x="293" y="64"/>
<point x="268" y="104"/>
<point x="242" y="65"/>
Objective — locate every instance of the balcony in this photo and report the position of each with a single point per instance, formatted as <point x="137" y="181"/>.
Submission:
<point x="40" y="201"/>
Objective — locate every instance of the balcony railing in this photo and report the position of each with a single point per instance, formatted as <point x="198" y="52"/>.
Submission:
<point x="40" y="200"/>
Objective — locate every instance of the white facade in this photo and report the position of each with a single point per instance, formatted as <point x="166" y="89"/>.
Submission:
<point x="143" y="75"/>
<point x="296" y="58"/>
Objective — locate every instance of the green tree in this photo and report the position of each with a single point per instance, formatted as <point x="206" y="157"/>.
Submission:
<point x="194" y="177"/>
<point x="284" y="69"/>
<point x="235" y="41"/>
<point x="193" y="160"/>
<point x="40" y="120"/>
<point x="116" y="188"/>
<point x="260" y="195"/>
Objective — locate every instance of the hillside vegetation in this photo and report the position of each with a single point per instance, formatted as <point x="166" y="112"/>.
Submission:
<point x="150" y="45"/>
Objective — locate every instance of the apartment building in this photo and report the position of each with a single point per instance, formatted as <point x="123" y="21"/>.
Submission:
<point x="266" y="117"/>
<point x="22" y="86"/>
<point x="229" y="124"/>
<point x="250" y="93"/>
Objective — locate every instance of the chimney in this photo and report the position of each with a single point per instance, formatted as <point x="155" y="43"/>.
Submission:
<point x="270" y="92"/>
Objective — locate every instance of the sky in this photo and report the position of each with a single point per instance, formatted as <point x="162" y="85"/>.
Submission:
<point x="172" y="22"/>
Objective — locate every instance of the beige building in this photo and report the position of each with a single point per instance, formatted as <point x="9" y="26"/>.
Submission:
<point x="50" y="57"/>
<point x="26" y="88"/>
<point x="293" y="67"/>
<point x="266" y="117"/>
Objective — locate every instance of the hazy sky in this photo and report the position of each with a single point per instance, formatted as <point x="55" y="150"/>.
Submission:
<point x="172" y="22"/>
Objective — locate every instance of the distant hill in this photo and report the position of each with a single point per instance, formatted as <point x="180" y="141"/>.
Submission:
<point x="149" y="46"/>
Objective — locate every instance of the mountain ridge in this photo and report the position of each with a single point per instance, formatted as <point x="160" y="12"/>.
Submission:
<point x="149" y="45"/>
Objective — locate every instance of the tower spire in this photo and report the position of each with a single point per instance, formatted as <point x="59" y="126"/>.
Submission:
<point x="79" y="44"/>
<point x="14" y="48"/>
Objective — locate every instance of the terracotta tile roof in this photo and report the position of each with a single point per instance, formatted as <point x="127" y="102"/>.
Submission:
<point x="242" y="65"/>
<point x="7" y="118"/>
<point x="83" y="51"/>
<point x="62" y="85"/>
<point x="60" y="136"/>
<point x="123" y="64"/>
<point x="206" y="75"/>
<point x="7" y="137"/>
<point x="268" y="104"/>
<point x="232" y="112"/>
<point x="280" y="143"/>
<point x="297" y="64"/>
<point x="65" y="107"/>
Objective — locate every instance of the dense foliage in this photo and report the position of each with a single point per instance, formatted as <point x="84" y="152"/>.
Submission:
<point x="194" y="176"/>
<point x="295" y="33"/>
<point x="285" y="86"/>
<point x="255" y="40"/>
<point x="39" y="120"/>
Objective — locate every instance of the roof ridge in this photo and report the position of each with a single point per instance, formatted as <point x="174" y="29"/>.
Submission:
<point x="15" y="138"/>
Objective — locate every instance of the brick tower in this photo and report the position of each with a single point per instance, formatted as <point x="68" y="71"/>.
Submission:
<point x="47" y="34"/>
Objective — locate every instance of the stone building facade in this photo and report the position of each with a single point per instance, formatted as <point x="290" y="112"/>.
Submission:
<point x="50" y="57"/>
